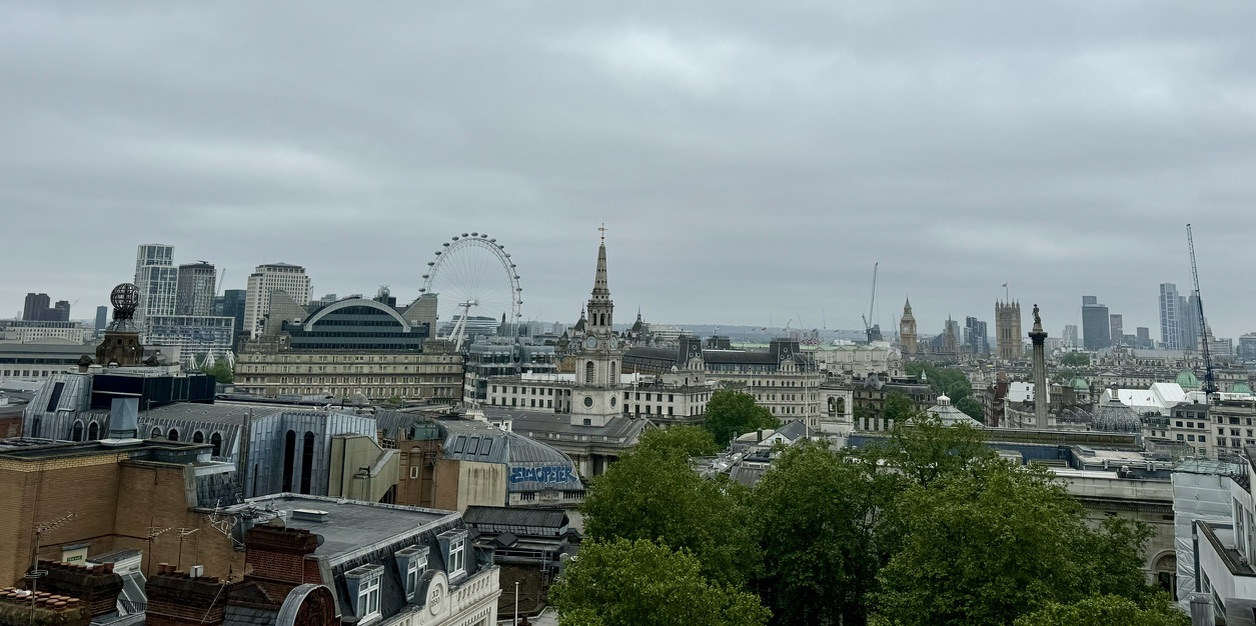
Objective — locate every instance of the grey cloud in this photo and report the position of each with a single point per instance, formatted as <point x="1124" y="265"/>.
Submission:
<point x="751" y="161"/>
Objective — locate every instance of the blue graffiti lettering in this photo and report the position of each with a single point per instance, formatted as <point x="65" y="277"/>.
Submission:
<point x="554" y="474"/>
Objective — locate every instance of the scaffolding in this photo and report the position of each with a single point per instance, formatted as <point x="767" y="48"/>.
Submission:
<point x="1201" y="492"/>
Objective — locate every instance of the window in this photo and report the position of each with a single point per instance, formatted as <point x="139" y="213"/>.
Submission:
<point x="457" y="554"/>
<point x="363" y="583"/>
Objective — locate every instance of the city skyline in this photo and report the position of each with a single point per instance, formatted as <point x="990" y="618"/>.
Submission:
<point x="752" y="164"/>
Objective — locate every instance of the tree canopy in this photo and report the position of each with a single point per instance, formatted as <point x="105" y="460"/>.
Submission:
<point x="686" y="441"/>
<point x="629" y="583"/>
<point x="221" y="371"/>
<point x="926" y="527"/>
<point x="731" y="413"/>
<point x="819" y="515"/>
<point x="651" y="493"/>
<point x="987" y="546"/>
<point x="1075" y="359"/>
<point x="1106" y="611"/>
<point x="952" y="383"/>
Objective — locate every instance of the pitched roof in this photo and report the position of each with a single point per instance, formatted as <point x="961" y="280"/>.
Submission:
<point x="515" y="516"/>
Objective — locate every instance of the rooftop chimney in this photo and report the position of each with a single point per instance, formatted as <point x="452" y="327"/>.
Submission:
<point x="96" y="588"/>
<point x="182" y="599"/>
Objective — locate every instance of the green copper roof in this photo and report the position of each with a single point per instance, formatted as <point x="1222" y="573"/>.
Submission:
<point x="1240" y="388"/>
<point x="1186" y="379"/>
<point x="1080" y="384"/>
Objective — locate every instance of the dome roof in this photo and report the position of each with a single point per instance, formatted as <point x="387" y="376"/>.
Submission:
<point x="1114" y="416"/>
<point x="1186" y="379"/>
<point x="1241" y="388"/>
<point x="1080" y="384"/>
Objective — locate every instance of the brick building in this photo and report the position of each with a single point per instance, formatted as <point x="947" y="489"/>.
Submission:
<point x="118" y="492"/>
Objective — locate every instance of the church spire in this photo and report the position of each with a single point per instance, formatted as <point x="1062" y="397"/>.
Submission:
<point x="601" y="309"/>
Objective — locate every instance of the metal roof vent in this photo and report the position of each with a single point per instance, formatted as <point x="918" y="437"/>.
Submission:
<point x="310" y="515"/>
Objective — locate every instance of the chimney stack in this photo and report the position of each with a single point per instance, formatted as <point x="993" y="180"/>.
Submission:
<point x="178" y="599"/>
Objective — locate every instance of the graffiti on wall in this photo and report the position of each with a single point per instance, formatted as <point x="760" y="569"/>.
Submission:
<point x="555" y="474"/>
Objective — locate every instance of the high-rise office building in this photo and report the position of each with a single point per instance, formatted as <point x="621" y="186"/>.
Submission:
<point x="102" y="318"/>
<point x="1116" y="328"/>
<point x="1188" y="320"/>
<point x="1170" y="322"/>
<point x="1143" y="337"/>
<point x="35" y="307"/>
<point x="1070" y="336"/>
<point x="976" y="340"/>
<point x="60" y="312"/>
<point x="290" y="279"/>
<point x="1096" y="325"/>
<point x="1007" y="331"/>
<point x="195" y="289"/>
<point x="156" y="276"/>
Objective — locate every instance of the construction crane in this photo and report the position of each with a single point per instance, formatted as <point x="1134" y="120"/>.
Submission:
<point x="872" y="331"/>
<point x="1209" y="385"/>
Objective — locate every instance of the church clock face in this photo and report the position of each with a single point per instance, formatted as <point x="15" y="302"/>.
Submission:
<point x="590" y="342"/>
<point x="613" y="343"/>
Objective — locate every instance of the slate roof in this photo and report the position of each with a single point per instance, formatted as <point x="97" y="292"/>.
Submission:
<point x="219" y="413"/>
<point x="351" y="524"/>
<point x="515" y="516"/>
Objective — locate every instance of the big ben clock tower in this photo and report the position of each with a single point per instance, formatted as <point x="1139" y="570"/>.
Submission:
<point x="595" y="396"/>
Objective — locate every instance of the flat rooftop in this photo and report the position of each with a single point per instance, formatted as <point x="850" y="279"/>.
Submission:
<point x="29" y="449"/>
<point x="351" y="525"/>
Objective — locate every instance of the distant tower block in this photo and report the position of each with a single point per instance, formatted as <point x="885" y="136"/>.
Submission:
<point x="1007" y="327"/>
<point x="907" y="331"/>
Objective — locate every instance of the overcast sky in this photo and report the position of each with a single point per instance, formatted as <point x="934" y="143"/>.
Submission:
<point x="751" y="161"/>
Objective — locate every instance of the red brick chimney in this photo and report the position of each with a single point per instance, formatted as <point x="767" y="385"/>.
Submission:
<point x="48" y="609"/>
<point x="177" y="599"/>
<point x="97" y="588"/>
<point x="278" y="558"/>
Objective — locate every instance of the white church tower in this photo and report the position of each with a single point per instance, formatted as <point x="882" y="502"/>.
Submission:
<point x="595" y="399"/>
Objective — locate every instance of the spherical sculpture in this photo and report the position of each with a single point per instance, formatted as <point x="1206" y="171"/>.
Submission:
<point x="125" y="298"/>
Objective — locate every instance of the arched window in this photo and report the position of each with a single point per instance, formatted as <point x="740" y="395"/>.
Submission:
<point x="198" y="437"/>
<point x="93" y="431"/>
<point x="156" y="433"/>
<point x="307" y="461"/>
<point x="289" y="457"/>
<point x="216" y="441"/>
<point x="77" y="435"/>
<point x="588" y="373"/>
<point x="614" y="372"/>
<point x="173" y="435"/>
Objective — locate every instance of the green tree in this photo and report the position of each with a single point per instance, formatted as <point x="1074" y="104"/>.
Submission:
<point x="897" y="407"/>
<point x="952" y="383"/>
<point x="651" y="493"/>
<point x="1106" y="611"/>
<point x="923" y="448"/>
<point x="819" y="515"/>
<point x="684" y="440"/>
<point x="1075" y="359"/>
<point x="990" y="545"/>
<point x="630" y="583"/>
<point x="221" y="371"/>
<point x="731" y="413"/>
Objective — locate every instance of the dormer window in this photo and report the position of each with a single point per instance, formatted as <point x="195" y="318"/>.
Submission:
<point x="454" y="544"/>
<point x="411" y="563"/>
<point x="363" y="583"/>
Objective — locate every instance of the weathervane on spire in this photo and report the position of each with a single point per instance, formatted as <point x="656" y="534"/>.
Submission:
<point x="602" y="229"/>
